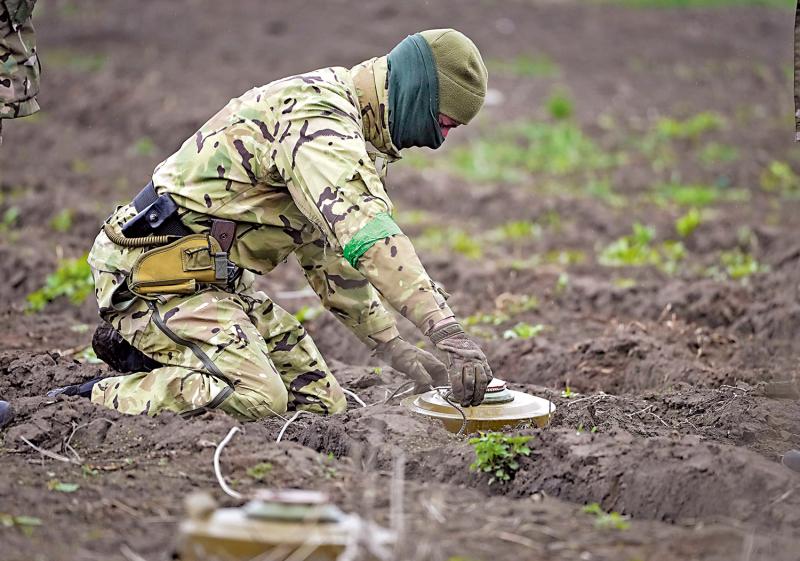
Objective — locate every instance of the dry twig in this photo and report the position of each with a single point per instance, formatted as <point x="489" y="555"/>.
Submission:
<point x="49" y="454"/>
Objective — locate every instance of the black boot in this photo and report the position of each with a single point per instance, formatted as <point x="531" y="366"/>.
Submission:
<point x="82" y="390"/>
<point x="111" y="348"/>
<point x="6" y="413"/>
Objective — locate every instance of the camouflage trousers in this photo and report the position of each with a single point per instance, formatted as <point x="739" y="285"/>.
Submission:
<point x="236" y="351"/>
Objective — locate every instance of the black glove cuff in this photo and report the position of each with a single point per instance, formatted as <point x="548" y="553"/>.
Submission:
<point x="439" y="335"/>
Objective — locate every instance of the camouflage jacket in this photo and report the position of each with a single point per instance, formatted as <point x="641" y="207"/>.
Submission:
<point x="19" y="65"/>
<point x="290" y="163"/>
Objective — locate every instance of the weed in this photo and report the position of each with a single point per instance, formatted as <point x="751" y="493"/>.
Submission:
<point x="260" y="471"/>
<point x="10" y="218"/>
<point x="624" y="282"/>
<point x="567" y="392"/>
<point x="736" y="265"/>
<point x="507" y="305"/>
<point x="535" y="66"/>
<point x="562" y="283"/>
<point x="523" y="331"/>
<point x="559" y="105"/>
<point x="452" y="238"/>
<point x="637" y="250"/>
<point x="88" y="471"/>
<point x="697" y="195"/>
<point x="56" y="485"/>
<point x="328" y="470"/>
<point x="606" y="520"/>
<point x="144" y="146"/>
<point x="603" y="190"/>
<point x="25" y="523"/>
<point x="78" y="61"/>
<point x="581" y="429"/>
<point x="62" y="222"/>
<point x="516" y="230"/>
<point x="688" y="223"/>
<point x="496" y="454"/>
<point x="779" y="177"/>
<point x="558" y="149"/>
<point x="691" y="128"/>
<point x="87" y="356"/>
<point x="307" y="313"/>
<point x="715" y="153"/>
<point x="72" y="278"/>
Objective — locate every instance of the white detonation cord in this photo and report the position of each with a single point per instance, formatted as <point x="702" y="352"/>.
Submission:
<point x="228" y="491"/>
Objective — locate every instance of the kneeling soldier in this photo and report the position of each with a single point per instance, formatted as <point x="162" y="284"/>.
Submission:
<point x="289" y="167"/>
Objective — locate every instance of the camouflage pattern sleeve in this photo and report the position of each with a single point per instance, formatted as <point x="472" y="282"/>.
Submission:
<point x="334" y="183"/>
<point x="347" y="294"/>
<point x="19" y="65"/>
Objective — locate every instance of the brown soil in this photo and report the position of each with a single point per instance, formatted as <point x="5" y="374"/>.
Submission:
<point x="684" y="388"/>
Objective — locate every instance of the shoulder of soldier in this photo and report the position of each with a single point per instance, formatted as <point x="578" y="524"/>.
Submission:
<point x="328" y="88"/>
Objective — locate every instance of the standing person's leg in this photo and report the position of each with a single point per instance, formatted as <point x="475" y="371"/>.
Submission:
<point x="307" y="378"/>
<point x="213" y="356"/>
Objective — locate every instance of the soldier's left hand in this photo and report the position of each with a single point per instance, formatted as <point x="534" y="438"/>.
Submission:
<point x="426" y="370"/>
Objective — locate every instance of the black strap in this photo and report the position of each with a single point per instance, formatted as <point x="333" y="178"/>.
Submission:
<point x="157" y="216"/>
<point x="145" y="197"/>
<point x="439" y="335"/>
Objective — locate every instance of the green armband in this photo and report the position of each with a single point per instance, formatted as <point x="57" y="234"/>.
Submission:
<point x="380" y="227"/>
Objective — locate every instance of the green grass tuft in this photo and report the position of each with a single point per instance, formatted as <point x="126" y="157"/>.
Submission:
<point x="531" y="66"/>
<point x="72" y="278"/>
<point x="497" y="453"/>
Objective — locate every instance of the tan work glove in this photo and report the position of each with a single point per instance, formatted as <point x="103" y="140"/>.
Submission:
<point x="469" y="372"/>
<point x="426" y="370"/>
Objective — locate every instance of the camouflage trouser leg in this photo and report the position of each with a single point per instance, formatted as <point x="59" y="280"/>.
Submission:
<point x="302" y="368"/>
<point x="215" y="356"/>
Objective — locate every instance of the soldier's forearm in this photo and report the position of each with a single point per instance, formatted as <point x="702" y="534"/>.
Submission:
<point x="392" y="266"/>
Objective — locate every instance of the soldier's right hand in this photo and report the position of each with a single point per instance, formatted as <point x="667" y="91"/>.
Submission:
<point x="426" y="370"/>
<point x="469" y="371"/>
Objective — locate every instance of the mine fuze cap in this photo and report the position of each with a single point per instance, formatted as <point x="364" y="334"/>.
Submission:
<point x="461" y="72"/>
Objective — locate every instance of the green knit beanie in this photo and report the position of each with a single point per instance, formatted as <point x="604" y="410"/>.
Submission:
<point x="462" y="74"/>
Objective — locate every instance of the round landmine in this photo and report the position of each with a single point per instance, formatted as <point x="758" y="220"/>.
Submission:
<point x="500" y="408"/>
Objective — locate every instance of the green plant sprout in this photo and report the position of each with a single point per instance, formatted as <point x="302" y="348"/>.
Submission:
<point x="307" y="313"/>
<point x="61" y="487"/>
<point x="72" y="278"/>
<point x="559" y="105"/>
<point x="715" y="153"/>
<point x="688" y="223"/>
<point x="606" y="520"/>
<point x="535" y="66"/>
<point x="567" y="392"/>
<point x="26" y="524"/>
<point x="518" y="150"/>
<point x="523" y="331"/>
<point x="453" y="238"/>
<point x="10" y="217"/>
<point x="779" y="177"/>
<point x="691" y="128"/>
<point x="637" y="250"/>
<point x="736" y="265"/>
<point x="260" y="471"/>
<point x="62" y="222"/>
<point x="496" y="454"/>
<point x="144" y="146"/>
<point x="562" y="283"/>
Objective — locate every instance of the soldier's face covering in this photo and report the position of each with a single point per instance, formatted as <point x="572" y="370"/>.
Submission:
<point x="413" y="95"/>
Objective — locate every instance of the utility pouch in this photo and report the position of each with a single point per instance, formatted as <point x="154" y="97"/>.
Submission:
<point x="178" y="267"/>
